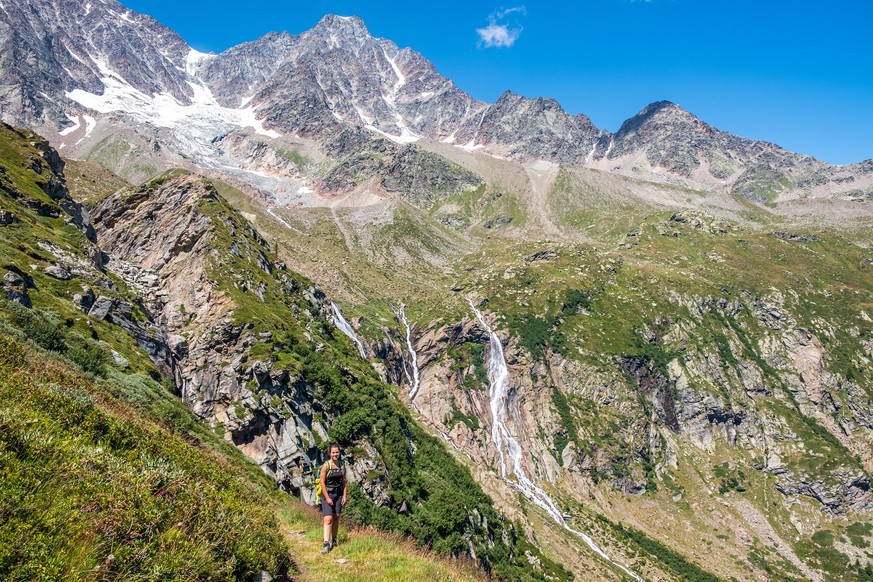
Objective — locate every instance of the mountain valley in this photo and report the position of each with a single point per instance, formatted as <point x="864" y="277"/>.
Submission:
<point x="557" y="351"/>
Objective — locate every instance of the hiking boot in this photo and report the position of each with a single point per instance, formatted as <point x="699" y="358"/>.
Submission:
<point x="326" y="548"/>
<point x="332" y="543"/>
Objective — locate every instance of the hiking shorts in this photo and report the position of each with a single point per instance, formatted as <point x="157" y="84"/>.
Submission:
<point x="337" y="504"/>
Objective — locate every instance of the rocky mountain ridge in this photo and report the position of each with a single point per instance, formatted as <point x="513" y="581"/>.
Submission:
<point x="102" y="61"/>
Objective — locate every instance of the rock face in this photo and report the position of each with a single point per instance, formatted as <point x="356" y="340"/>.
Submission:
<point x="165" y="241"/>
<point x="16" y="286"/>
<point x="525" y="128"/>
<point x="52" y="47"/>
<point x="161" y="242"/>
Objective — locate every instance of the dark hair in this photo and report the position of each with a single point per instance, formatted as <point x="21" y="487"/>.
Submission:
<point x="332" y="447"/>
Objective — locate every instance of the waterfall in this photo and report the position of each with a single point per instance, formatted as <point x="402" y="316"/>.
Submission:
<point x="498" y="376"/>
<point x="415" y="381"/>
<point x="346" y="328"/>
<point x="414" y="378"/>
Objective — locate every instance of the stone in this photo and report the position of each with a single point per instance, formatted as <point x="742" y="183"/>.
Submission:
<point x="502" y="221"/>
<point x="790" y="236"/>
<point x="7" y="218"/>
<point x="85" y="299"/>
<point x="542" y="256"/>
<point x="15" y="286"/>
<point x="120" y="360"/>
<point x="101" y="308"/>
<point x="58" y="272"/>
<point x="14" y="279"/>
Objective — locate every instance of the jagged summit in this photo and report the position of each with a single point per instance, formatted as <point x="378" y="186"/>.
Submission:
<point x="348" y="33"/>
<point x="662" y="115"/>
<point x="341" y="23"/>
<point x="68" y="65"/>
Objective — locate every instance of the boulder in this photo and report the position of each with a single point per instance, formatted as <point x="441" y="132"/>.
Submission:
<point x="58" y="272"/>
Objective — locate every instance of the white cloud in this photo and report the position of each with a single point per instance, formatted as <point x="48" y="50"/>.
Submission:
<point x="503" y="13"/>
<point x="499" y="33"/>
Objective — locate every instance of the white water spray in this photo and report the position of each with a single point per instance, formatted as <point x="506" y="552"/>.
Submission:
<point x="413" y="379"/>
<point x="345" y="327"/>
<point x="498" y="376"/>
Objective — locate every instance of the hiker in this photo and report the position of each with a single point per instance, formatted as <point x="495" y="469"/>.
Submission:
<point x="334" y="487"/>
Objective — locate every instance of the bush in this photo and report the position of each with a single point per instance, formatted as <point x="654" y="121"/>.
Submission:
<point x="534" y="332"/>
<point x="41" y="328"/>
<point x="90" y="357"/>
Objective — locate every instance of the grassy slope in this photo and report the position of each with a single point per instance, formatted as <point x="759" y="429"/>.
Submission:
<point x="91" y="489"/>
<point x="626" y="285"/>
<point x="106" y="474"/>
<point x="95" y="487"/>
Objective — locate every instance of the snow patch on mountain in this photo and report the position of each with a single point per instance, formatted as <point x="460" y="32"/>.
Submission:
<point x="194" y="60"/>
<point x="469" y="146"/>
<point x="203" y="119"/>
<point x="391" y="99"/>
<point x="406" y="136"/>
<point x="76" y="125"/>
<point x="90" y="124"/>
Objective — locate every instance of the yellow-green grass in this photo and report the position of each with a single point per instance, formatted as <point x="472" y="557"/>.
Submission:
<point x="89" y="182"/>
<point x="364" y="554"/>
<point x="92" y="489"/>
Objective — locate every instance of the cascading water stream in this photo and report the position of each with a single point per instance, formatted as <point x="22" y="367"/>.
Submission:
<point x="413" y="379"/>
<point x="498" y="375"/>
<point x="345" y="327"/>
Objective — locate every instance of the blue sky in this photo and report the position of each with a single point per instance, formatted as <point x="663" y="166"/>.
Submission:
<point x="796" y="73"/>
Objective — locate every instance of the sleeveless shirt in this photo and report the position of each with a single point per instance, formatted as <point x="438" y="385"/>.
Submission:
<point x="334" y="478"/>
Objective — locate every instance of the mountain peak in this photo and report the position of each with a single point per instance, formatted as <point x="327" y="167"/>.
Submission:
<point x="660" y="112"/>
<point x="657" y="106"/>
<point x="342" y="24"/>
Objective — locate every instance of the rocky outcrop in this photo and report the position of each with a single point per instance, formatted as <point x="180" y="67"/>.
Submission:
<point x="15" y="284"/>
<point x="525" y="128"/>
<point x="48" y="175"/>
<point x="165" y="242"/>
<point x="420" y="177"/>
<point x="843" y="491"/>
